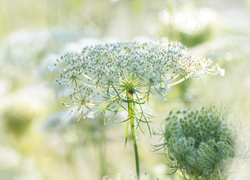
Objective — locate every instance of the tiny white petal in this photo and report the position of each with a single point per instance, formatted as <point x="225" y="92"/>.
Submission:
<point x="222" y="72"/>
<point x="91" y="115"/>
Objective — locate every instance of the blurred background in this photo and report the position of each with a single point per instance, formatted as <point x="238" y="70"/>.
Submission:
<point x="37" y="139"/>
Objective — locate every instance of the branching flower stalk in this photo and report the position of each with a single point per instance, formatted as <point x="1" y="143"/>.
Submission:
<point x="122" y="76"/>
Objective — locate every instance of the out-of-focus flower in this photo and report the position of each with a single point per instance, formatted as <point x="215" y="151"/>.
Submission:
<point x="189" y="20"/>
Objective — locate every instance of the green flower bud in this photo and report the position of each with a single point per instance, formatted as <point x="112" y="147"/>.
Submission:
<point x="203" y="151"/>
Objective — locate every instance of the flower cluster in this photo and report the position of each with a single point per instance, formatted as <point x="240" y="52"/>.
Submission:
<point x="102" y="74"/>
<point x="198" y="143"/>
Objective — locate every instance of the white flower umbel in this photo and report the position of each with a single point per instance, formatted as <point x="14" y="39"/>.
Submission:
<point x="102" y="74"/>
<point x="122" y="76"/>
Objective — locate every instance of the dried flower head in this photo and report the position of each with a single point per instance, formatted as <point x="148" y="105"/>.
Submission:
<point x="100" y="75"/>
<point x="199" y="143"/>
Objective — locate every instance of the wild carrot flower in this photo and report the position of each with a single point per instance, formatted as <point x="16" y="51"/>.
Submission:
<point x="122" y="76"/>
<point x="101" y="75"/>
<point x="199" y="143"/>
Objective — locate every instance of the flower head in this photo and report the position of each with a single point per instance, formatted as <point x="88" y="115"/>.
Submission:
<point x="199" y="142"/>
<point x="102" y="74"/>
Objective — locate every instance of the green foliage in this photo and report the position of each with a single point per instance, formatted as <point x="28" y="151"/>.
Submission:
<point x="17" y="120"/>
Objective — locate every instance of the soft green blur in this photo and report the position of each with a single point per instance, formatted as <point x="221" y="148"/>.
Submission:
<point x="37" y="139"/>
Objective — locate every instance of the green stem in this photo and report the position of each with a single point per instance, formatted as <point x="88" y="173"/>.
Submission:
<point x="131" y="116"/>
<point x="219" y="173"/>
<point x="184" y="175"/>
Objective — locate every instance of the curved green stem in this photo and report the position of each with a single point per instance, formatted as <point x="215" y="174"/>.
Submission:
<point x="131" y="117"/>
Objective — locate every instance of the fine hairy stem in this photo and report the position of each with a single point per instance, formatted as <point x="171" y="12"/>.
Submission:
<point x="131" y="117"/>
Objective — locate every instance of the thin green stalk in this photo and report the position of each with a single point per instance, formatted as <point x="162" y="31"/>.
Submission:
<point x="184" y="175"/>
<point x="131" y="117"/>
<point x="219" y="174"/>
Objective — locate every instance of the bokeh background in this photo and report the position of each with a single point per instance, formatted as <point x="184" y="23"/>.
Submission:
<point x="37" y="139"/>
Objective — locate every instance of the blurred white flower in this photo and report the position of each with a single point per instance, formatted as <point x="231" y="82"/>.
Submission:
<point x="189" y="20"/>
